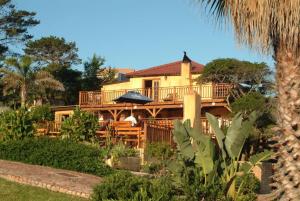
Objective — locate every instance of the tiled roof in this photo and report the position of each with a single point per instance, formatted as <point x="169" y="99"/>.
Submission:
<point x="173" y="68"/>
<point x="124" y="70"/>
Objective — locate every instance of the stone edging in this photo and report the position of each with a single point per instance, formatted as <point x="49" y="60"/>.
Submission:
<point x="49" y="186"/>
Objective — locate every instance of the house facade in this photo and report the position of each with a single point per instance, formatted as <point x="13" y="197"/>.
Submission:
<point x="166" y="85"/>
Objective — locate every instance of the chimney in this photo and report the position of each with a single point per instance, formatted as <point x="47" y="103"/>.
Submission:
<point x="186" y="67"/>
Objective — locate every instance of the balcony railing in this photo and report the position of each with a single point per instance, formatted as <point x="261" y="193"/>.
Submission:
<point x="161" y="94"/>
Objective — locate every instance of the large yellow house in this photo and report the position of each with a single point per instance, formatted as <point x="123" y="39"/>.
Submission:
<point x="165" y="85"/>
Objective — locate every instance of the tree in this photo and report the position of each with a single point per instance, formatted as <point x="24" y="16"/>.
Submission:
<point x="71" y="80"/>
<point x="56" y="55"/>
<point x="273" y="27"/>
<point x="13" y="25"/>
<point x="94" y="75"/>
<point x="19" y="74"/>
<point x="246" y="77"/>
<point x="53" y="53"/>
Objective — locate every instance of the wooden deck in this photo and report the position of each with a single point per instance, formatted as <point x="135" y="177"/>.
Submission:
<point x="151" y="131"/>
<point x="160" y="96"/>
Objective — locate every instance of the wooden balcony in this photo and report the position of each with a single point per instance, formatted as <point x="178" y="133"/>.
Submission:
<point x="208" y="92"/>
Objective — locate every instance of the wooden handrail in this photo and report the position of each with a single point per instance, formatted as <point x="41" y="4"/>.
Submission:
<point x="164" y="94"/>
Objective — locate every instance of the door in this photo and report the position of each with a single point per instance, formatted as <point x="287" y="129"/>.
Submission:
<point x="156" y="90"/>
<point x="148" y="88"/>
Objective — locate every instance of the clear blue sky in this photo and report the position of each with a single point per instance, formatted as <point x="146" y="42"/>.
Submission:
<point x="137" y="33"/>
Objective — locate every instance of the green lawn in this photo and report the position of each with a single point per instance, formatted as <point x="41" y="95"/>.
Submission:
<point x="10" y="191"/>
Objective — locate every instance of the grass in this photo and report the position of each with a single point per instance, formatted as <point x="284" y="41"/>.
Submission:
<point x="11" y="191"/>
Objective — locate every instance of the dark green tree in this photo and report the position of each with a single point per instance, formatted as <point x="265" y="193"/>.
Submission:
<point x="245" y="76"/>
<point x="71" y="80"/>
<point x="53" y="53"/>
<point x="13" y="25"/>
<point x="57" y="56"/>
<point x="94" y="75"/>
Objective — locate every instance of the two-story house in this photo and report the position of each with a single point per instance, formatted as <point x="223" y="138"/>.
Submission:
<point x="166" y="85"/>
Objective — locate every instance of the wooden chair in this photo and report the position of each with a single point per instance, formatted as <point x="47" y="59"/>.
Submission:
<point x="171" y="97"/>
<point x="130" y="135"/>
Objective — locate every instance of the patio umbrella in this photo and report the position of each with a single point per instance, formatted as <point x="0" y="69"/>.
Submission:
<point x="133" y="97"/>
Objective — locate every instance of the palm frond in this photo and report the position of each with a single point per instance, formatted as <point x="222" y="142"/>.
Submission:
<point x="10" y="82"/>
<point x="50" y="83"/>
<point x="41" y="74"/>
<point x="6" y="71"/>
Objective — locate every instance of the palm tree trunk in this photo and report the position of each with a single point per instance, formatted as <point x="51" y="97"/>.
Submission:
<point x="23" y="96"/>
<point x="287" y="169"/>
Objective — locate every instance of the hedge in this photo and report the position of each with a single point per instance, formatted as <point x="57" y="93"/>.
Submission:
<point x="56" y="153"/>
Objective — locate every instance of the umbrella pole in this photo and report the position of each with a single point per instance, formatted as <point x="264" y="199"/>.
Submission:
<point x="131" y="109"/>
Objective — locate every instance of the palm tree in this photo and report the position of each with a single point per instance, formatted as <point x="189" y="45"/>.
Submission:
<point x="273" y="26"/>
<point x="19" y="74"/>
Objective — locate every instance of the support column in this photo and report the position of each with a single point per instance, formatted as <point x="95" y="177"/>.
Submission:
<point x="192" y="108"/>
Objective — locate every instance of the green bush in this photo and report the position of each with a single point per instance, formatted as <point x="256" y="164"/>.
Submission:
<point x="41" y="113"/>
<point x="152" y="167"/>
<point x="157" y="156"/>
<point x="249" y="187"/>
<point x="160" y="151"/>
<point x="125" y="186"/>
<point x="56" y="153"/>
<point x="253" y="101"/>
<point x="81" y="126"/>
<point x="16" y="125"/>
<point x="121" y="150"/>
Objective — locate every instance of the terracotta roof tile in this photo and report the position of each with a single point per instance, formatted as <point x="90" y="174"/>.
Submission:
<point x="124" y="70"/>
<point x="173" y="68"/>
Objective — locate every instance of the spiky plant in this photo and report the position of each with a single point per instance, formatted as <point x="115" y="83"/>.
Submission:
<point x="273" y="26"/>
<point x="19" y="74"/>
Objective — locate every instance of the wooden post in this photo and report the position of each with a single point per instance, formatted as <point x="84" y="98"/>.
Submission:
<point x="139" y="135"/>
<point x="174" y="94"/>
<point x="80" y="98"/>
<point x="213" y="90"/>
<point x="102" y="97"/>
<point x="145" y="134"/>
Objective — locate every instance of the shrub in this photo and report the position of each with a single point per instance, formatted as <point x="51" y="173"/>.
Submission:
<point x="16" y="125"/>
<point x="56" y="153"/>
<point x="152" y="167"/>
<point x="253" y="101"/>
<point x="160" y="151"/>
<point x="121" y="185"/>
<point x="81" y="126"/>
<point x="125" y="186"/>
<point x="41" y="113"/>
<point x="157" y="156"/>
<point x="249" y="187"/>
<point x="121" y="150"/>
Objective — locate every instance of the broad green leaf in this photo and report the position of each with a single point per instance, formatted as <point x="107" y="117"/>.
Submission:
<point x="235" y="138"/>
<point x="196" y="134"/>
<point x="205" y="154"/>
<point x="218" y="132"/>
<point x="257" y="158"/>
<point x="175" y="167"/>
<point x="182" y="139"/>
<point x="246" y="167"/>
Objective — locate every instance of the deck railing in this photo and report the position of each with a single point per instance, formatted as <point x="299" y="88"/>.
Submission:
<point x="161" y="130"/>
<point x="156" y="133"/>
<point x="154" y="130"/>
<point x="161" y="94"/>
<point x="205" y="126"/>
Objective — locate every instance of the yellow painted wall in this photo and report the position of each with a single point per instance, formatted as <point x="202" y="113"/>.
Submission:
<point x="117" y="86"/>
<point x="59" y="114"/>
<point x="137" y="82"/>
